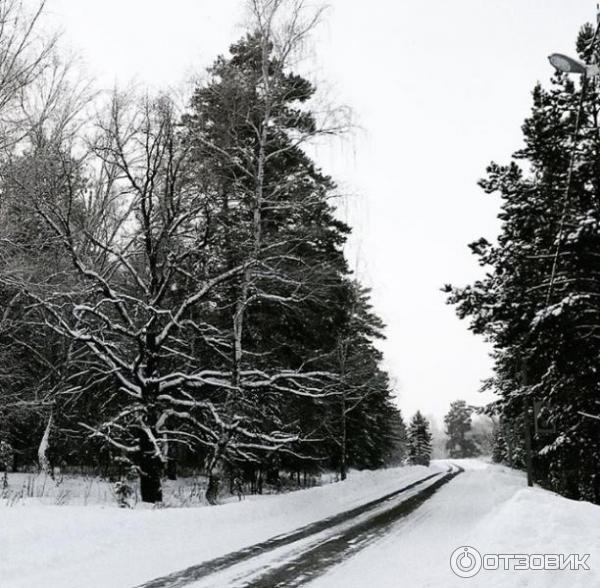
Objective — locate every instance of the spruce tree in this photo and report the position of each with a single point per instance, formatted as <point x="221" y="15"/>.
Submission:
<point x="537" y="303"/>
<point x="419" y="440"/>
<point x="458" y="428"/>
<point x="499" y="450"/>
<point x="363" y="413"/>
<point x="399" y="450"/>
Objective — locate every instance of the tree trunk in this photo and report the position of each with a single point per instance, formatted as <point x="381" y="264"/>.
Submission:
<point x="171" y="455"/>
<point x="151" y="456"/>
<point x="509" y="445"/>
<point x="259" y="482"/>
<point x="43" y="459"/>
<point x="343" y="440"/>
<point x="151" y="467"/>
<point x="212" y="492"/>
<point x="172" y="469"/>
<point x="150" y="486"/>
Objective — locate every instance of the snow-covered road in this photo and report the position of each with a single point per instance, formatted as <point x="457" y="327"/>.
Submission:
<point x="487" y="508"/>
<point x="101" y="546"/>
<point x="292" y="559"/>
<point x="363" y="532"/>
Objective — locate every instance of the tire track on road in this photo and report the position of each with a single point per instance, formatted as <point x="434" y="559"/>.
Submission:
<point x="316" y="560"/>
<point x="198" y="572"/>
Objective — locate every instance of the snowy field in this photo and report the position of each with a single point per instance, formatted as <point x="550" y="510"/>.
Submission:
<point x="489" y="508"/>
<point x="45" y="545"/>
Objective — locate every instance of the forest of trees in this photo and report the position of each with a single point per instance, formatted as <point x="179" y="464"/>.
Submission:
<point x="538" y="302"/>
<point x="173" y="286"/>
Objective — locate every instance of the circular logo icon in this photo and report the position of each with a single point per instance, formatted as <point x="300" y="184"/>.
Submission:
<point x="465" y="562"/>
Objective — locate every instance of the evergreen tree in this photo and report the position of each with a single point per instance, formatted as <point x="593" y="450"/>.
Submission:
<point x="363" y="429"/>
<point x="246" y="127"/>
<point x="399" y="450"/>
<point x="538" y="301"/>
<point x="458" y="428"/>
<point x="499" y="450"/>
<point x="419" y="440"/>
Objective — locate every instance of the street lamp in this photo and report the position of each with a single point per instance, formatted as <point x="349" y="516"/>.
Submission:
<point x="567" y="64"/>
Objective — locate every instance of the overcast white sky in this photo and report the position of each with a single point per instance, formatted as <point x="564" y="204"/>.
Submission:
<point x="439" y="88"/>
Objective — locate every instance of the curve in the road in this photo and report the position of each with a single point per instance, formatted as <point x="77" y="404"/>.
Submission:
<point x="197" y="572"/>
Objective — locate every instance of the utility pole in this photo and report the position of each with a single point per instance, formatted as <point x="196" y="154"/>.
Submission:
<point x="526" y="420"/>
<point x="528" y="450"/>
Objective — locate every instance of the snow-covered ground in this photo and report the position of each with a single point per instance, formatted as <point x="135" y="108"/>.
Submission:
<point x="488" y="508"/>
<point x="84" y="490"/>
<point x="47" y="546"/>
